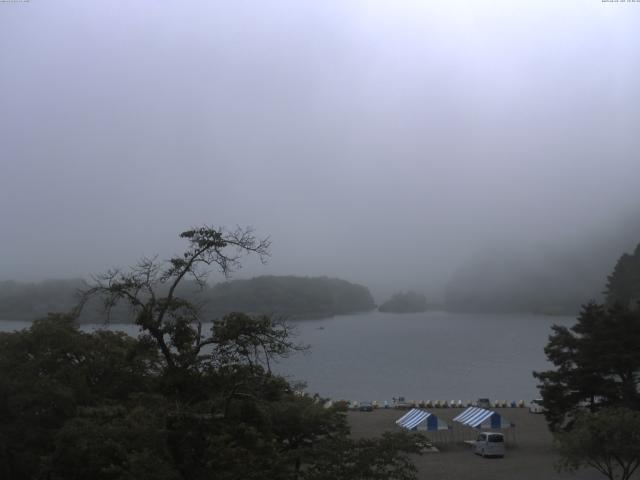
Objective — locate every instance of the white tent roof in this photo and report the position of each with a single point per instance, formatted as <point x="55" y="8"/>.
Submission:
<point x="476" y="417"/>
<point x="417" y="419"/>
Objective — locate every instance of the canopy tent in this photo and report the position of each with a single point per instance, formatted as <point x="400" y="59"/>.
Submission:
<point x="476" y="417"/>
<point x="417" y="419"/>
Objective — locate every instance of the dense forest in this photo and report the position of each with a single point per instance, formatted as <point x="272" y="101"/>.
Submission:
<point x="293" y="297"/>
<point x="407" y="302"/>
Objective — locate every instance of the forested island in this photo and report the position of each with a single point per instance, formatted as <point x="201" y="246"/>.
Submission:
<point x="405" y="302"/>
<point x="288" y="296"/>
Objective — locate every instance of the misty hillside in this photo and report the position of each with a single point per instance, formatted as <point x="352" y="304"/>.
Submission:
<point x="548" y="281"/>
<point x="405" y="302"/>
<point x="28" y="301"/>
<point x="279" y="295"/>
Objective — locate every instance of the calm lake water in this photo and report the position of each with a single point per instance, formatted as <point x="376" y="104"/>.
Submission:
<point x="426" y="356"/>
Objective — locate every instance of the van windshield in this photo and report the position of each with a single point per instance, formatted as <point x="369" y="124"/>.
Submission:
<point x="496" y="438"/>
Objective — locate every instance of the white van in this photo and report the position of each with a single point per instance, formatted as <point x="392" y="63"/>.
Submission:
<point x="489" y="444"/>
<point x="536" y="406"/>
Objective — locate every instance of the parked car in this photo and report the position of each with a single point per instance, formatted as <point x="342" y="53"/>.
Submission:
<point x="483" y="403"/>
<point x="489" y="444"/>
<point x="401" y="403"/>
<point x="366" y="407"/>
<point x="536" y="406"/>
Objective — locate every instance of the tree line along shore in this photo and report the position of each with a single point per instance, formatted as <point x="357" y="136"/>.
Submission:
<point x="287" y="296"/>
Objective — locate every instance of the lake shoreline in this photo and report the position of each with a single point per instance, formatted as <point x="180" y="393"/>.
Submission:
<point x="321" y="316"/>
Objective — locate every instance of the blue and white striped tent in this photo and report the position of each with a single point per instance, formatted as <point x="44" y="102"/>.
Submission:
<point x="476" y="417"/>
<point x="417" y="419"/>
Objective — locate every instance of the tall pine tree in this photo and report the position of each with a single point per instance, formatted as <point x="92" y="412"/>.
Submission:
<point x="623" y="285"/>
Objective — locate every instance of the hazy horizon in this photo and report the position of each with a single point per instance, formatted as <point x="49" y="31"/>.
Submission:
<point x="386" y="143"/>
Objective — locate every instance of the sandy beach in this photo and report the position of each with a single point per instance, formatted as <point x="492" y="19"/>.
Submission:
<point x="530" y="456"/>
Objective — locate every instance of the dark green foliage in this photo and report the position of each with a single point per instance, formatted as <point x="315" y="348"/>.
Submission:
<point x="241" y="339"/>
<point x="75" y="405"/>
<point x="409" y="302"/>
<point x="623" y="285"/>
<point x="51" y="371"/>
<point x="81" y="406"/>
<point x="113" y="442"/>
<point x="608" y="440"/>
<point x="366" y="459"/>
<point x="597" y="364"/>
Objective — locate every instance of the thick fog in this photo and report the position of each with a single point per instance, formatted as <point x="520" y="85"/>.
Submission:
<point x="388" y="143"/>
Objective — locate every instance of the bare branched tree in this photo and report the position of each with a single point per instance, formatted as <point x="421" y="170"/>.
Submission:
<point x="150" y="288"/>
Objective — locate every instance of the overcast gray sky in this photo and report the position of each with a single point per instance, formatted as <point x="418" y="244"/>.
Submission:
<point x="379" y="141"/>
